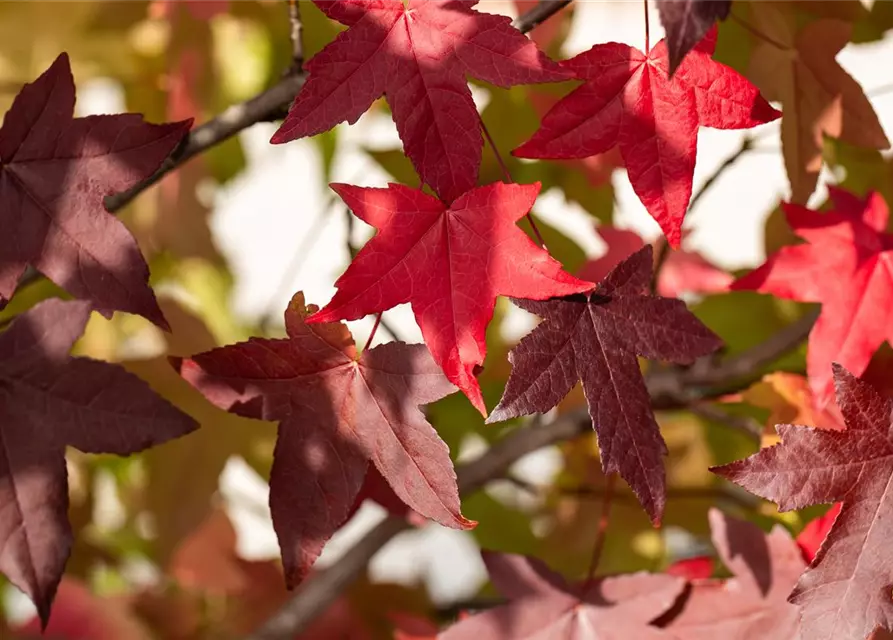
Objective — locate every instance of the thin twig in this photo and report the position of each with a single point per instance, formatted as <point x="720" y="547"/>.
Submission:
<point x="745" y="424"/>
<point x="297" y="36"/>
<point x="372" y="333"/>
<point x="647" y="28"/>
<point x="667" y="389"/>
<point x="600" y="534"/>
<point x="539" y="14"/>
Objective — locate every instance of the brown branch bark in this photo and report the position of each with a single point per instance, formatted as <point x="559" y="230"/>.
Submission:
<point x="671" y="388"/>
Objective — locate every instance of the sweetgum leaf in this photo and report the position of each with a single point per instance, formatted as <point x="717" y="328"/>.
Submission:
<point x="795" y="64"/>
<point x="336" y="413"/>
<point x="55" y="171"/>
<point x="845" y="592"/>
<point x="687" y="22"/>
<point x="596" y="338"/>
<point x="450" y="262"/>
<point x="418" y="54"/>
<point x="752" y="604"/>
<point x="845" y="265"/>
<point x="543" y="606"/>
<point x="628" y="100"/>
<point x="50" y="400"/>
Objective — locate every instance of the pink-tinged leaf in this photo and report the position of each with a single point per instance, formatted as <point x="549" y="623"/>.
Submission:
<point x="450" y="262"/>
<point x="543" y="606"/>
<point x="752" y="604"/>
<point x="596" y="338"/>
<point x="846" y="265"/>
<point x="336" y="413"/>
<point x="629" y="100"/>
<point x="49" y="400"/>
<point x="418" y="55"/>
<point x="815" y="532"/>
<point x="682" y="272"/>
<point x="845" y="592"/>
<point x="687" y="22"/>
<point x="80" y="615"/>
<point x="55" y="172"/>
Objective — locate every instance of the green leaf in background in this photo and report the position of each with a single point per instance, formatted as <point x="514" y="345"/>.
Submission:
<point x="744" y="318"/>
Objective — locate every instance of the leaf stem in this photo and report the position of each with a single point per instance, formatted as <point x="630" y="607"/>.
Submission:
<point x="647" y="28"/>
<point x="372" y="333"/>
<point x="508" y="178"/>
<point x="603" y="521"/>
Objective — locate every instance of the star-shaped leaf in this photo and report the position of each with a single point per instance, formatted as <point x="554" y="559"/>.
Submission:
<point x="752" y="604"/>
<point x="336" y="413"/>
<point x="543" y="606"/>
<point x="628" y="100"/>
<point x="596" y="338"/>
<point x="795" y="64"/>
<point x="847" y="265"/>
<point x="450" y="262"/>
<point x="49" y="400"/>
<point x="418" y="54"/>
<point x="845" y="592"/>
<point x="55" y="171"/>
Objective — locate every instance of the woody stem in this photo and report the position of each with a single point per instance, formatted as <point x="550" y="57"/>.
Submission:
<point x="647" y="29"/>
<point x="603" y="522"/>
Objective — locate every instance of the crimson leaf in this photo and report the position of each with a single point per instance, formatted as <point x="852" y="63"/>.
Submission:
<point x="418" y="55"/>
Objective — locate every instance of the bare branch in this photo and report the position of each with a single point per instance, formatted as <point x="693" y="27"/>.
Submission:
<point x="297" y="36"/>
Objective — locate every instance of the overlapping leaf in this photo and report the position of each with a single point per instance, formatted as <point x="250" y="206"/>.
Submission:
<point x="55" y="171"/>
<point x="543" y="606"/>
<point x="795" y="64"/>
<point x="628" y="100"/>
<point x="49" y="400"/>
<point x="418" y="54"/>
<point x="845" y="265"/>
<point x="687" y="22"/>
<point x="752" y="604"/>
<point x="450" y="262"/>
<point x="845" y="592"/>
<point x="336" y="413"/>
<point x="596" y="338"/>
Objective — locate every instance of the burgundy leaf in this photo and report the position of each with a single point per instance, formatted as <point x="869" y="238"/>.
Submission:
<point x="845" y="592"/>
<point x="687" y="22"/>
<point x="596" y="338"/>
<point x="336" y="413"/>
<point x="55" y="171"/>
<point x="50" y="400"/>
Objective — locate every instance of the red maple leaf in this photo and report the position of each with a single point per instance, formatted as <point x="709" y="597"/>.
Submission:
<point x="418" y="55"/>
<point x="845" y="265"/>
<point x="845" y="592"/>
<point x="543" y="606"/>
<point x="336" y="413"/>
<point x="596" y="338"/>
<point x="752" y="604"/>
<point x="49" y="400"/>
<point x="55" y="171"/>
<point x="629" y="101"/>
<point x="450" y="262"/>
<point x="682" y="272"/>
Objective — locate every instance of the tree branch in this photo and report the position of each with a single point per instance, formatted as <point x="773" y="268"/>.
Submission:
<point x="670" y="388"/>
